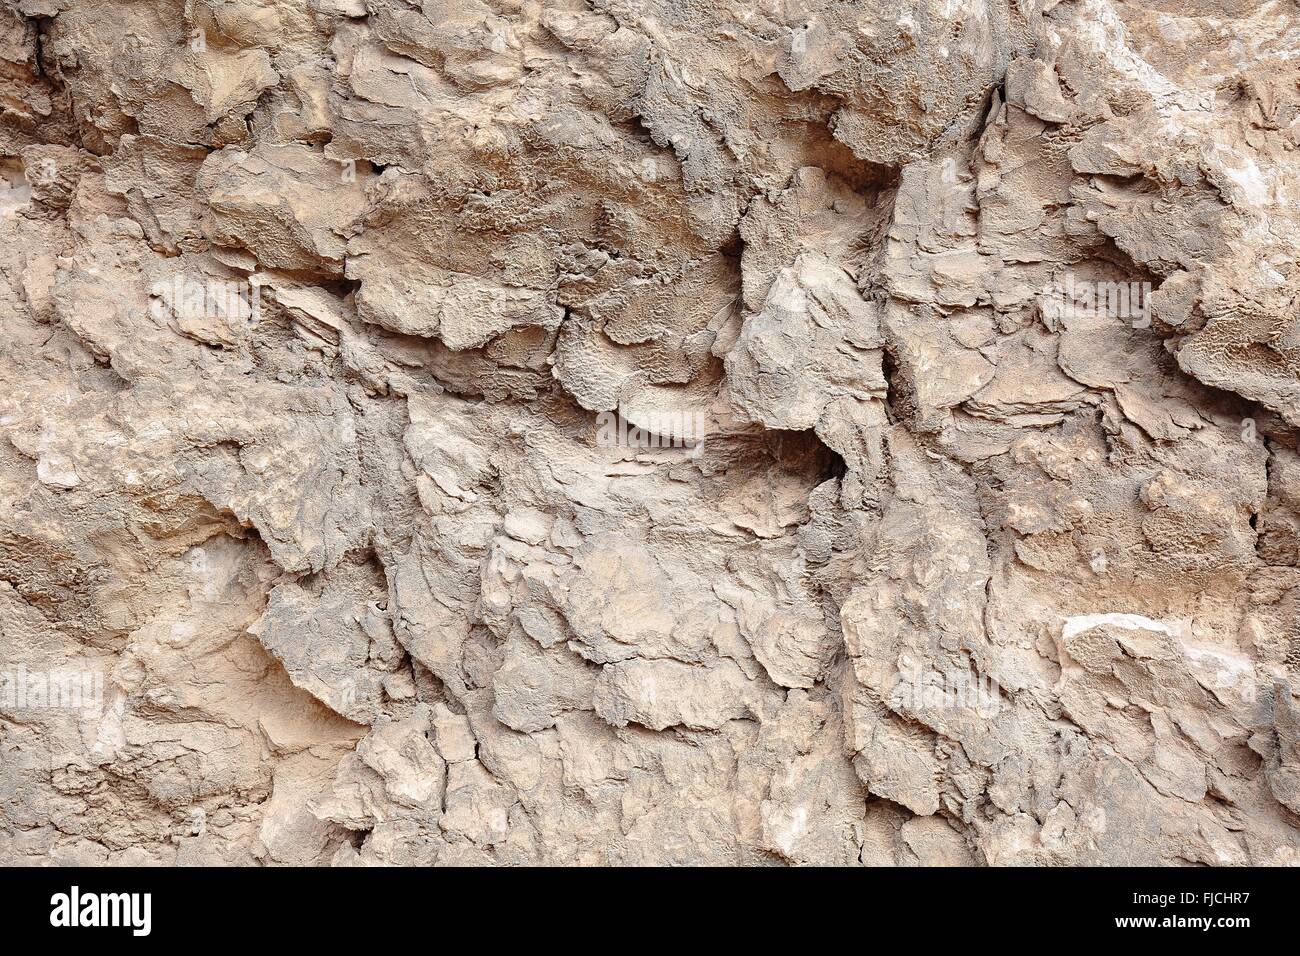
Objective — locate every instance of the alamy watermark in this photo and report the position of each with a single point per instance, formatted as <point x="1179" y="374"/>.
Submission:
<point x="46" y="172"/>
<point x="74" y="908"/>
<point x="238" y="303"/>
<point x="1130" y="301"/>
<point x="672" y="429"/>
<point x="916" y="688"/>
<point x="22" y="689"/>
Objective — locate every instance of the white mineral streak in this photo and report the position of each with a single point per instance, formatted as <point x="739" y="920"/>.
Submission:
<point x="1129" y="622"/>
<point x="638" y="431"/>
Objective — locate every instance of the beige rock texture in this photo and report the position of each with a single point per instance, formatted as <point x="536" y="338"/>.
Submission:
<point x="977" y="540"/>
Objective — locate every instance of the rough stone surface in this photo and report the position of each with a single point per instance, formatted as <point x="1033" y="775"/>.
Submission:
<point x="985" y="550"/>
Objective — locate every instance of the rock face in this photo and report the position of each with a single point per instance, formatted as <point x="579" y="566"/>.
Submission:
<point x="644" y="432"/>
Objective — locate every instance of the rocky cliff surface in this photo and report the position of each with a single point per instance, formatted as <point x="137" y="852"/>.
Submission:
<point x="649" y="431"/>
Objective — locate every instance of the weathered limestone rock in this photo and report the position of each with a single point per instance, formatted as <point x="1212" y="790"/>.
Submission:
<point x="638" y="432"/>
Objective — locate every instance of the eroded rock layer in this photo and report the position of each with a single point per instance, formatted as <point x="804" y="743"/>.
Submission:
<point x="649" y="431"/>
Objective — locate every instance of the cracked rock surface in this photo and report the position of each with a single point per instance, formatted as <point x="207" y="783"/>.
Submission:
<point x="977" y="540"/>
